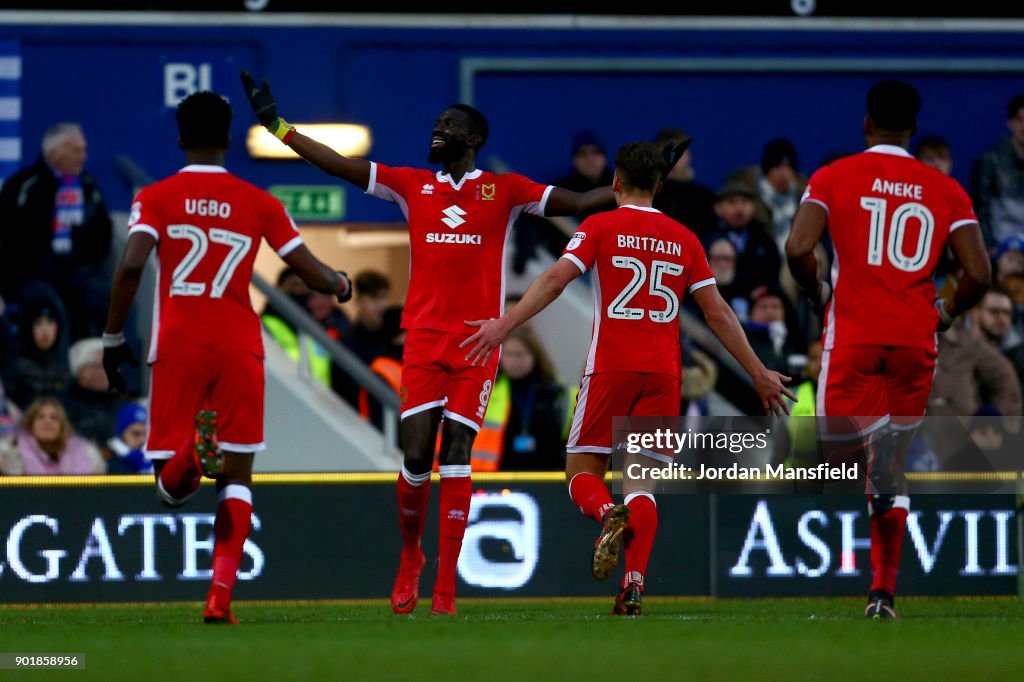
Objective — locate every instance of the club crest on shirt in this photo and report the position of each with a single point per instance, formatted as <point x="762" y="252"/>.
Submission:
<point x="487" y="192"/>
<point x="576" y="240"/>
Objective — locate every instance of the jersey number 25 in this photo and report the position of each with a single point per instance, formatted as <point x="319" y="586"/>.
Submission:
<point x="619" y="310"/>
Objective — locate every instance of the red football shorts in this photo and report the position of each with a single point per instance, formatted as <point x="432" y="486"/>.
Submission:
<point x="863" y="388"/>
<point x="619" y="394"/>
<point x="230" y="382"/>
<point x="435" y="374"/>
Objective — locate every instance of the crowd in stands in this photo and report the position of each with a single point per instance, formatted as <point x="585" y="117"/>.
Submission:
<point x="56" y="415"/>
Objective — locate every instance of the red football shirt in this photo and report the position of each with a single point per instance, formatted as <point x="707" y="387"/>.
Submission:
<point x="457" y="236"/>
<point x="208" y="225"/>
<point x="643" y="263"/>
<point x="890" y="217"/>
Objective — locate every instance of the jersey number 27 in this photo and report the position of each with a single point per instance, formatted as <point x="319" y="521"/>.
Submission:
<point x="239" y="243"/>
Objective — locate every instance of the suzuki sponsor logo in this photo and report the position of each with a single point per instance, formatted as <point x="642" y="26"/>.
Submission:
<point x="453" y="238"/>
<point x="453" y="216"/>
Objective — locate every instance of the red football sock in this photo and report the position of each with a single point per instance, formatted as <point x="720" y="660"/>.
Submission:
<point x="887" y="532"/>
<point x="413" y="496"/>
<point x="181" y="475"/>
<point x="639" y="536"/>
<point x="230" y="529"/>
<point x="590" y="494"/>
<point x="456" y="491"/>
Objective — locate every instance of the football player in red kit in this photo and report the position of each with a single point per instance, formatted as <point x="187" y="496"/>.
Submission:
<point x="459" y="219"/>
<point x="890" y="218"/>
<point x="643" y="264"/>
<point x="206" y="348"/>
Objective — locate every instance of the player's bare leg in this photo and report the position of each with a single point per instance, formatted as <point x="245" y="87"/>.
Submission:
<point x="230" y="530"/>
<point x="418" y="434"/>
<point x="456" y="493"/>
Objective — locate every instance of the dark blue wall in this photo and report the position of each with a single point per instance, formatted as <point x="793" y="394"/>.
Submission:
<point x="111" y="78"/>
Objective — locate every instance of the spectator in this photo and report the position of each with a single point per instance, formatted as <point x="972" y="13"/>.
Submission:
<point x="125" y="452"/>
<point x="322" y="307"/>
<point x="46" y="445"/>
<point x="758" y="259"/>
<point x="589" y="171"/>
<point x="993" y="318"/>
<point x="700" y="374"/>
<point x="998" y="180"/>
<point x="766" y="328"/>
<point x="40" y="369"/>
<point x="934" y="151"/>
<point x="970" y="373"/>
<point x="525" y="426"/>
<point x="777" y="186"/>
<point x="299" y="346"/>
<point x="801" y="424"/>
<point x="55" y="233"/>
<point x="722" y="258"/>
<point x="1009" y="258"/>
<point x="377" y="329"/>
<point x="91" y="407"/>
<point x="682" y="198"/>
<point x="9" y="414"/>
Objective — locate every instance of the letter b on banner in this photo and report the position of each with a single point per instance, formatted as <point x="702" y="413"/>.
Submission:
<point x="181" y="79"/>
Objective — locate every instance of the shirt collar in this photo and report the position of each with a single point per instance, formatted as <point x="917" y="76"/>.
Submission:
<point x="648" y="209"/>
<point x="472" y="175"/>
<point x="203" y="168"/>
<point x="890" y="149"/>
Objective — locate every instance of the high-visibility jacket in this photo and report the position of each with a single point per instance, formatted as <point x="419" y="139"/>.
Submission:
<point x="801" y="426"/>
<point x="490" y="440"/>
<point x="390" y="370"/>
<point x="289" y="340"/>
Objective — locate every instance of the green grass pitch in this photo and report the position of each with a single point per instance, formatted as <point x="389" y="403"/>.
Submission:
<point x="529" y="640"/>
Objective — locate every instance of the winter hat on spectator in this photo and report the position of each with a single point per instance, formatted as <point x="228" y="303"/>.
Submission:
<point x="734" y="188"/>
<point x="778" y="152"/>
<point x="586" y="138"/>
<point x="85" y="352"/>
<point x="132" y="413"/>
<point x="1011" y="243"/>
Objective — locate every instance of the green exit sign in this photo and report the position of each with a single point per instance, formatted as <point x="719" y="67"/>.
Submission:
<point x="311" y="202"/>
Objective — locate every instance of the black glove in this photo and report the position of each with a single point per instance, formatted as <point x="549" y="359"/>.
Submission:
<point x="672" y="153"/>
<point x="260" y="98"/>
<point x="346" y="292"/>
<point x="113" y="358"/>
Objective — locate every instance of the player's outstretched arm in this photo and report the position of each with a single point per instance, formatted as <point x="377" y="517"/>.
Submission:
<point x="722" y="321"/>
<point x="565" y="202"/>
<point x="356" y="171"/>
<point x="541" y="292"/>
<point x="116" y="351"/>
<point x="317" y="275"/>
<point x="968" y="247"/>
<point x="808" y="225"/>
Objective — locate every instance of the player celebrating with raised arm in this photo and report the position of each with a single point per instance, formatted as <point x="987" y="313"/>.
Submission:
<point x="643" y="264"/>
<point x="890" y="218"/>
<point x="206" y="350"/>
<point x="459" y="219"/>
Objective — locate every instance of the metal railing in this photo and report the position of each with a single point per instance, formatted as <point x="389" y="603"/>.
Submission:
<point x="301" y="321"/>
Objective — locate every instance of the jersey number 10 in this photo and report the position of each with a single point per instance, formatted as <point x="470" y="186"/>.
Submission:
<point x="239" y="243"/>
<point x="618" y="310"/>
<point x="897" y="234"/>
